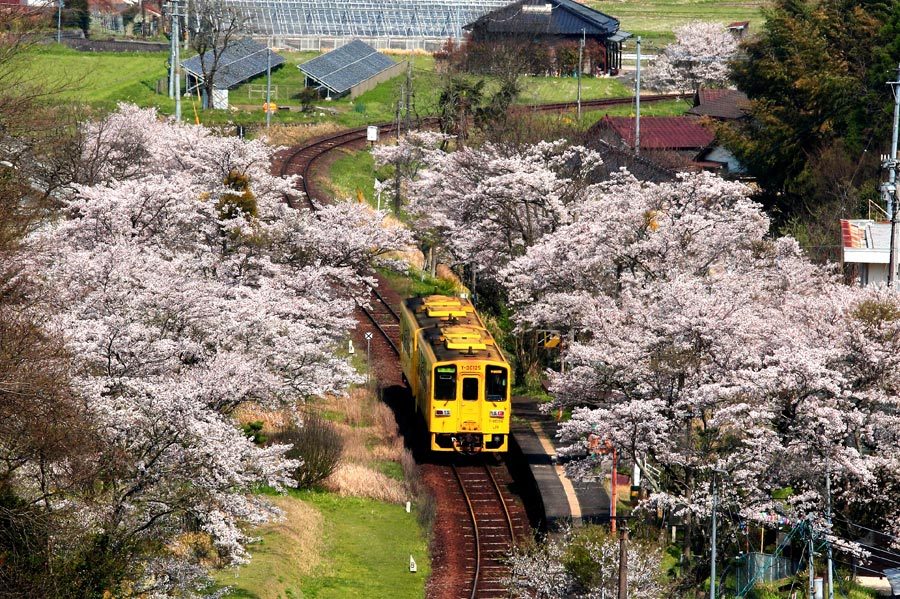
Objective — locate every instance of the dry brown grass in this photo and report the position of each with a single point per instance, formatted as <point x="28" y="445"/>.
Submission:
<point x="272" y="420"/>
<point x="356" y="480"/>
<point x="292" y="135"/>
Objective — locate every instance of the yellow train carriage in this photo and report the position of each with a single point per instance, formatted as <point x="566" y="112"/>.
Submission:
<point x="458" y="376"/>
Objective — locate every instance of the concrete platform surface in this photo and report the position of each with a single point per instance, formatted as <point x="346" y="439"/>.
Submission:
<point x="564" y="500"/>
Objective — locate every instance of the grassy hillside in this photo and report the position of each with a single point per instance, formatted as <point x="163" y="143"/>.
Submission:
<point x="655" y="19"/>
<point x="98" y="78"/>
<point x="333" y="547"/>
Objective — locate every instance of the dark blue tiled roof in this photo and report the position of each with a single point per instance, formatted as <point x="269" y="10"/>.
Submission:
<point x="240" y="61"/>
<point x="564" y="17"/>
<point x="344" y="67"/>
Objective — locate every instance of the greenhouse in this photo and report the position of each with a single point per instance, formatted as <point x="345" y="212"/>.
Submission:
<point x="383" y="24"/>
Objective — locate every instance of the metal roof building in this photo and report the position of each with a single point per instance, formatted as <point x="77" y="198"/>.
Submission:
<point x="353" y="68"/>
<point x="548" y="22"/>
<point x="385" y="24"/>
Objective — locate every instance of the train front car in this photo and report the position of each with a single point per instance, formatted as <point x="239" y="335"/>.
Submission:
<point x="460" y="379"/>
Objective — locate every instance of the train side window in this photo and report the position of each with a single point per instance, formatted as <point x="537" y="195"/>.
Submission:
<point x="495" y="384"/>
<point x="470" y="388"/>
<point x="445" y="383"/>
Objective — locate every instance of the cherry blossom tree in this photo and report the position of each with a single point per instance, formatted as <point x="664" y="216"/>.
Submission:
<point x="186" y="287"/>
<point x="705" y="349"/>
<point x="584" y="565"/>
<point x="699" y="56"/>
<point x="488" y="204"/>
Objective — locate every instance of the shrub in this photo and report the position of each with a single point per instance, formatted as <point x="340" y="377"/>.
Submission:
<point x="317" y="443"/>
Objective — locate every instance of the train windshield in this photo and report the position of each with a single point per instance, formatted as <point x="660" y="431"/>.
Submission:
<point x="445" y="383"/>
<point x="495" y="387"/>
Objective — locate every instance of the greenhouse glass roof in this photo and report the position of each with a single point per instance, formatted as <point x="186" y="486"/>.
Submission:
<point x="357" y="18"/>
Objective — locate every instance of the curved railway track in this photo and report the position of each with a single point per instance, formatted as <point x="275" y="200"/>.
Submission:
<point x="300" y="160"/>
<point x="493" y="531"/>
<point x="493" y="528"/>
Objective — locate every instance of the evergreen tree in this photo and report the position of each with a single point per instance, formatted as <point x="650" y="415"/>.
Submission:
<point x="816" y="80"/>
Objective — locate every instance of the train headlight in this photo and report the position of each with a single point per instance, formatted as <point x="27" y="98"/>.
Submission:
<point x="498" y="413"/>
<point x="441" y="413"/>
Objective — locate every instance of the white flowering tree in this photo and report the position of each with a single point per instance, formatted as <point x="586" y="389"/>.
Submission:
<point x="488" y="204"/>
<point x="187" y="287"/>
<point x="584" y="565"/>
<point x="699" y="56"/>
<point x="701" y="346"/>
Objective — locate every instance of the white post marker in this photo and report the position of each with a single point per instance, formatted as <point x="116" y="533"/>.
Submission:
<point x="408" y="506"/>
<point x="412" y="564"/>
<point x="368" y="353"/>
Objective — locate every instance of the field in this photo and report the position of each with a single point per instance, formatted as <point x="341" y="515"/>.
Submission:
<point x="655" y="19"/>
<point x="331" y="547"/>
<point x="98" y="79"/>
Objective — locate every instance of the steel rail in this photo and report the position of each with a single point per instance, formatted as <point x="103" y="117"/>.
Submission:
<point x="509" y="522"/>
<point x="471" y="507"/>
<point x="472" y="514"/>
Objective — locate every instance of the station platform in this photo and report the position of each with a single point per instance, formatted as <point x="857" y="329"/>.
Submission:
<point x="564" y="501"/>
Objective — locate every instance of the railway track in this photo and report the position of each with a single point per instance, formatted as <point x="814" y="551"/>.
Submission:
<point x="383" y="317"/>
<point x="300" y="160"/>
<point x="493" y="531"/>
<point x="474" y="567"/>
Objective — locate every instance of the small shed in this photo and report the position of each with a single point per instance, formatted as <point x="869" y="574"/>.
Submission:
<point x="720" y="104"/>
<point x="238" y="62"/>
<point x="351" y="69"/>
<point x="866" y="250"/>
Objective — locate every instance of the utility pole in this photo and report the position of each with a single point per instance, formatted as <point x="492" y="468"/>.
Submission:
<point x="623" y="563"/>
<point x="812" y="576"/>
<point x="828" y="516"/>
<point x="408" y="95"/>
<point x="712" y="569"/>
<point x="614" y="491"/>
<point x="176" y="28"/>
<point x="172" y="42"/>
<point x="889" y="188"/>
<point x="268" y="85"/>
<point x="637" y="101"/>
<point x="59" y="22"/>
<point x="580" y="66"/>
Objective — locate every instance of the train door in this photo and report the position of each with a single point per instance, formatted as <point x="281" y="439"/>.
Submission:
<point x="470" y="407"/>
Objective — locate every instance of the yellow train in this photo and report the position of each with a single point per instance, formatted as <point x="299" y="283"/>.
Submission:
<point x="457" y="374"/>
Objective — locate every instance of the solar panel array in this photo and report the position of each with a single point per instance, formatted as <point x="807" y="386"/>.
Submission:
<point x="341" y="69"/>
<point x="364" y="18"/>
<point x="240" y="61"/>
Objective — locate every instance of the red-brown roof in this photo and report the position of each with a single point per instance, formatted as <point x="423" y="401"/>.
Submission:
<point x="739" y="25"/>
<point x="662" y="132"/>
<point x="720" y="103"/>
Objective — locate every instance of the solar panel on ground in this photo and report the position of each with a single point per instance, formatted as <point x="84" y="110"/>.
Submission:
<point x="240" y="61"/>
<point x="341" y="69"/>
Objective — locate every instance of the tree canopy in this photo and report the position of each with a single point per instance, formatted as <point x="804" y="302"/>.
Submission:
<point x="820" y="107"/>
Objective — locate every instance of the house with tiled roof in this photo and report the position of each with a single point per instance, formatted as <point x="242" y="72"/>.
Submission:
<point x="681" y="143"/>
<point x="720" y="104"/>
<point x="866" y="250"/>
<point x="551" y="28"/>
